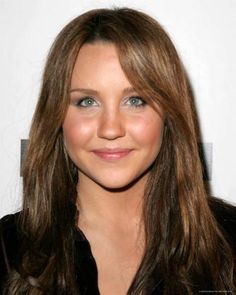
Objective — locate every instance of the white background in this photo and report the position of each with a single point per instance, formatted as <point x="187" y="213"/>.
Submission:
<point x="204" y="32"/>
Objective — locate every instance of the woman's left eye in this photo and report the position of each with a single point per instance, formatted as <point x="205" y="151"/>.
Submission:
<point x="136" y="101"/>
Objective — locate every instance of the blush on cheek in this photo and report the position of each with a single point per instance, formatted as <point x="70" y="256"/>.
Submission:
<point x="78" y="133"/>
<point x="148" y="130"/>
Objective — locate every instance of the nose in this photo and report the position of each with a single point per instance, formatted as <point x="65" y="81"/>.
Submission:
<point x="111" y="125"/>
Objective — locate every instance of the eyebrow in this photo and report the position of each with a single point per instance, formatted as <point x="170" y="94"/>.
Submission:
<point x="125" y="91"/>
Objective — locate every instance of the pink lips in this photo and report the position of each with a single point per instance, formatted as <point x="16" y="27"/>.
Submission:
<point x="111" y="154"/>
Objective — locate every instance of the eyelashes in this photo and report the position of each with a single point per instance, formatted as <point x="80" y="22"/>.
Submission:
<point x="136" y="101"/>
<point x="87" y="101"/>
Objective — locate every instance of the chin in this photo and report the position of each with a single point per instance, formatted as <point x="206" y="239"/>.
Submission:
<point x="119" y="185"/>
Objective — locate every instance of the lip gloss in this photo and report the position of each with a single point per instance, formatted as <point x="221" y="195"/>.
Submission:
<point x="116" y="155"/>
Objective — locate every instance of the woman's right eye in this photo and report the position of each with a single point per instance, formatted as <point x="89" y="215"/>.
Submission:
<point x="85" y="102"/>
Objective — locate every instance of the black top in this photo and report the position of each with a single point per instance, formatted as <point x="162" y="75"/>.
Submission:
<point x="86" y="270"/>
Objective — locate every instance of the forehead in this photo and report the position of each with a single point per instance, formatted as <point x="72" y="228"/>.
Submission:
<point x="98" y="63"/>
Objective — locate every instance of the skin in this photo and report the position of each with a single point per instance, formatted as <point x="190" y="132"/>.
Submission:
<point x="110" y="192"/>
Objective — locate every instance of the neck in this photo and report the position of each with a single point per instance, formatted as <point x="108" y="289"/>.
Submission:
<point x="96" y="204"/>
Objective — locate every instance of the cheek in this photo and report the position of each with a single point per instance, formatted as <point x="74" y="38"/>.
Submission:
<point x="76" y="129"/>
<point x="148" y="131"/>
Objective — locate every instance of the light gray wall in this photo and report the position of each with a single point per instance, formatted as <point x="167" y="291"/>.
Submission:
<point x="204" y="32"/>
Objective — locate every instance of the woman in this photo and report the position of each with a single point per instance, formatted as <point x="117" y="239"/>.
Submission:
<point x="114" y="199"/>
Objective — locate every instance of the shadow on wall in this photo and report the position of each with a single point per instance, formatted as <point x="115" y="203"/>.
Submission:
<point x="23" y="147"/>
<point x="205" y="152"/>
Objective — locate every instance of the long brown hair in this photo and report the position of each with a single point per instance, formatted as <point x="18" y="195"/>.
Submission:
<point x="184" y="245"/>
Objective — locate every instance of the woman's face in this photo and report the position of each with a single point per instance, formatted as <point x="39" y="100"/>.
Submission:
<point x="111" y="134"/>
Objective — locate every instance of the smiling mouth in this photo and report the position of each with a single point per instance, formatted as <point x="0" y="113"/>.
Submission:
<point x="112" y="155"/>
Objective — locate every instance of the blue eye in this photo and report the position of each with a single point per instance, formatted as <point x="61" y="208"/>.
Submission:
<point x="136" y="101"/>
<point x="86" y="102"/>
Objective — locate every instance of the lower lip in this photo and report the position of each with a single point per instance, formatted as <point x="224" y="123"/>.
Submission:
<point x="112" y="156"/>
